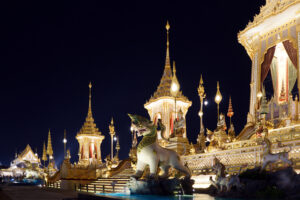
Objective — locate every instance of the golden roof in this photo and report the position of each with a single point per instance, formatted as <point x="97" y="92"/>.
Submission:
<point x="272" y="7"/>
<point x="89" y="127"/>
<point x="163" y="89"/>
<point x="25" y="152"/>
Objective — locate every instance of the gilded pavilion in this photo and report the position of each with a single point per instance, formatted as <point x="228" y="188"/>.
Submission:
<point x="162" y="105"/>
<point x="89" y="138"/>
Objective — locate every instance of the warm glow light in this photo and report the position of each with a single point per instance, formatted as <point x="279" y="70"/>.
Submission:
<point x="65" y="140"/>
<point x="200" y="113"/>
<point x="202" y="181"/>
<point x="205" y="103"/>
<point x="218" y="98"/>
<point x="131" y="128"/>
<point x="259" y="94"/>
<point x="115" y="138"/>
<point x="174" y="87"/>
<point x="51" y="157"/>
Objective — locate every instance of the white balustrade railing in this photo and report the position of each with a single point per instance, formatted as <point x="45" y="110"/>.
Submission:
<point x="242" y="153"/>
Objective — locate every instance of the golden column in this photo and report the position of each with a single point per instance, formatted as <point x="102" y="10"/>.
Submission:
<point x="202" y="95"/>
<point x="65" y="144"/>
<point x="218" y="99"/>
<point x="112" y="134"/>
<point x="175" y="87"/>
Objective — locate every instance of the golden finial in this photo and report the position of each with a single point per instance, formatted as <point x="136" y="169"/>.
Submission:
<point x="167" y="25"/>
<point x="112" y="127"/>
<point x="174" y="68"/>
<point x="168" y="44"/>
<point x="201" y="90"/>
<point x="112" y="121"/>
<point x="90" y="101"/>
<point x="218" y="87"/>
<point x="201" y="80"/>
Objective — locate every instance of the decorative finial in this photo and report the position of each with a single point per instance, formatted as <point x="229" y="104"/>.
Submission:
<point x="90" y="101"/>
<point x="167" y="25"/>
<point x="112" y="121"/>
<point x="111" y="127"/>
<point x="218" y="87"/>
<point x="201" y="80"/>
<point x="174" y="68"/>
<point x="168" y="44"/>
<point x="230" y="110"/>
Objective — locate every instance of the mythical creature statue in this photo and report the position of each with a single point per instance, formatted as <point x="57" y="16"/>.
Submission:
<point x="149" y="152"/>
<point x="222" y="181"/>
<point x="216" y="139"/>
<point x="179" y="125"/>
<point x="269" y="157"/>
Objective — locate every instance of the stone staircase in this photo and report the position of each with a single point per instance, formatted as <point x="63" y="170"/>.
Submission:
<point x="106" y="185"/>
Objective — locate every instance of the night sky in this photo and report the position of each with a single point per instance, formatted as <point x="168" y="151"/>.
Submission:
<point x="50" y="52"/>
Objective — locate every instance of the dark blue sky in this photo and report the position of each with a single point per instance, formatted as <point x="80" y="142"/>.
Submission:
<point x="50" y="51"/>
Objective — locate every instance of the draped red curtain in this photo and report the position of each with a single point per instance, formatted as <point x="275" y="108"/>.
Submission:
<point x="291" y="51"/>
<point x="265" y="66"/>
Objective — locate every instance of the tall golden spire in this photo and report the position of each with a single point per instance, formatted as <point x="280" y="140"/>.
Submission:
<point x="90" y="115"/>
<point x="44" y="157"/>
<point x="168" y="64"/>
<point x="89" y="127"/>
<point x="174" y="68"/>
<point x="49" y="145"/>
<point x="163" y="89"/>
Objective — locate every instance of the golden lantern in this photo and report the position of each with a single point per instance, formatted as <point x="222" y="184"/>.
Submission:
<point x="218" y="97"/>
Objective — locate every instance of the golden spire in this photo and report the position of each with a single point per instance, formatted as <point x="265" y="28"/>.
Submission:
<point x="49" y="145"/>
<point x="89" y="127"/>
<point x="44" y="157"/>
<point x="174" y="68"/>
<point x="90" y="101"/>
<point x="163" y="89"/>
<point x="201" y="80"/>
<point x="168" y="45"/>
<point x="112" y="127"/>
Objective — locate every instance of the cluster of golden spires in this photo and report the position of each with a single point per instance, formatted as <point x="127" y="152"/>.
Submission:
<point x="89" y="127"/>
<point x="163" y="89"/>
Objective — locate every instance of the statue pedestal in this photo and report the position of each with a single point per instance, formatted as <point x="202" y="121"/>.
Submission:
<point x="161" y="186"/>
<point x="179" y="144"/>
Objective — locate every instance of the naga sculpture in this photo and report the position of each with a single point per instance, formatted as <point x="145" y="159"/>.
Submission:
<point x="150" y="153"/>
<point x="269" y="157"/>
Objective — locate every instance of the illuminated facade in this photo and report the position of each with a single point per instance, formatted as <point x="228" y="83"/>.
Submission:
<point x="162" y="104"/>
<point x="89" y="138"/>
<point x="22" y="163"/>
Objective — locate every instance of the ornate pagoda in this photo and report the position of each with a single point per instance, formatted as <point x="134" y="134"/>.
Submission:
<point x="89" y="138"/>
<point x="272" y="41"/>
<point x="162" y="105"/>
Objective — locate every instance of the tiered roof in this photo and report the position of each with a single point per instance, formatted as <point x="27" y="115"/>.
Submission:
<point x="89" y="127"/>
<point x="163" y="89"/>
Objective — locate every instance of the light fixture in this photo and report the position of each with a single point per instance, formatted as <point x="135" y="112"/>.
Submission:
<point x="200" y="113"/>
<point x="64" y="140"/>
<point x="259" y="94"/>
<point x="205" y="102"/>
<point x="218" y="97"/>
